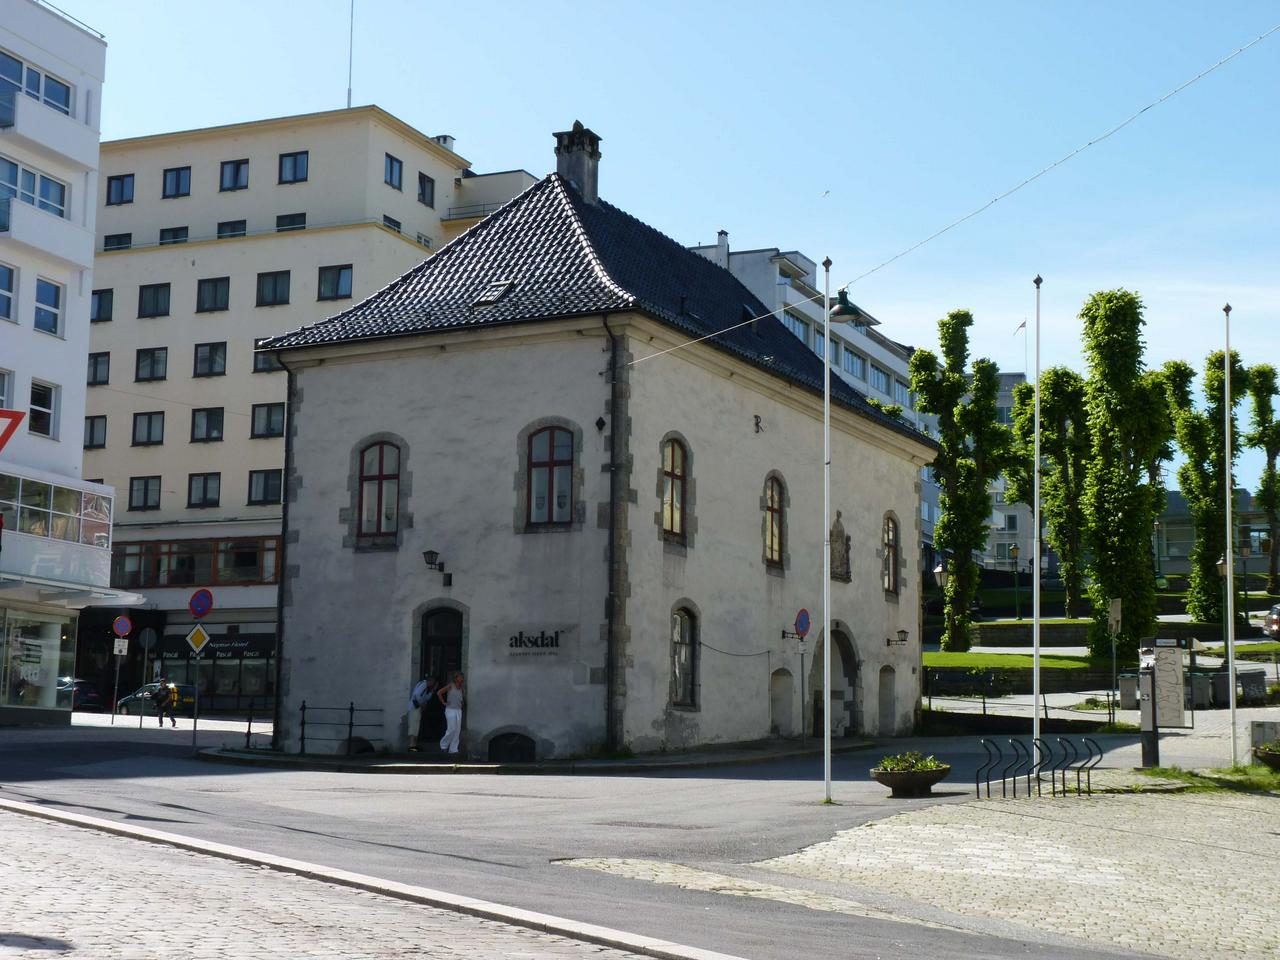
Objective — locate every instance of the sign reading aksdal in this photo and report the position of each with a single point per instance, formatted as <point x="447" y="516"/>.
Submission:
<point x="540" y="644"/>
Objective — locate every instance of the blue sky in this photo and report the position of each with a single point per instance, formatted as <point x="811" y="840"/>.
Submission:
<point x="849" y="130"/>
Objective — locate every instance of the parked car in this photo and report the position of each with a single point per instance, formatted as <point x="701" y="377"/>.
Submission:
<point x="1271" y="623"/>
<point x="83" y="693"/>
<point x="140" y="700"/>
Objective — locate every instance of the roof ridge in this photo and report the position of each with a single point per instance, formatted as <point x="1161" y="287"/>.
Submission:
<point x="580" y="231"/>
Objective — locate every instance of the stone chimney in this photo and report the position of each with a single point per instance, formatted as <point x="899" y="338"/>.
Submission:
<point x="578" y="159"/>
<point x="722" y="249"/>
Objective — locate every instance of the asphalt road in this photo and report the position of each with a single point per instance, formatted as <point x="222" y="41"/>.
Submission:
<point x="500" y="837"/>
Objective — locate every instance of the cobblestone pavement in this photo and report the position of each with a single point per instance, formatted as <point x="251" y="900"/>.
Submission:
<point x="1182" y="876"/>
<point x="68" y="891"/>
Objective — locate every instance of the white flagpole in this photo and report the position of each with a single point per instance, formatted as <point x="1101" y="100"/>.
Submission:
<point x="351" y="35"/>
<point x="1035" y="550"/>
<point x="1229" y="555"/>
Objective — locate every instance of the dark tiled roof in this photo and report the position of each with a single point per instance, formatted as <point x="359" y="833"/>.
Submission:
<point x="565" y="257"/>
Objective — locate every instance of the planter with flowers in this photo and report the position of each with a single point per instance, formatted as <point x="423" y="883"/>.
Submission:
<point x="910" y="774"/>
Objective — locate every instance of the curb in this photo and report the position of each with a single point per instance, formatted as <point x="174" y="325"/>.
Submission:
<point x="277" y="761"/>
<point x="470" y="906"/>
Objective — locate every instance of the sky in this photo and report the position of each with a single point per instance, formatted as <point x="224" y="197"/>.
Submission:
<point x="851" y="130"/>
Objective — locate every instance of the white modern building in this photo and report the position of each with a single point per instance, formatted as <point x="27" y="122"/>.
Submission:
<point x="56" y="548"/>
<point x="609" y="528"/>
<point x="208" y="240"/>
<point x="788" y="283"/>
<point x="1011" y="540"/>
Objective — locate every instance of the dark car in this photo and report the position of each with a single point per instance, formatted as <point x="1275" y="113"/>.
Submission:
<point x="82" y="693"/>
<point x="140" y="700"/>
<point x="1271" y="623"/>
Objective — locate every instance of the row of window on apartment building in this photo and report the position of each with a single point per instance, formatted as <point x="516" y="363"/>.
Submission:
<point x="204" y="490"/>
<point x="213" y="294"/>
<point x="43" y="404"/>
<point x="550" y="464"/>
<point x="16" y="77"/>
<point x="266" y="421"/>
<point x="185" y="563"/>
<point x="233" y="176"/>
<point x="50" y="300"/>
<point x="851" y="361"/>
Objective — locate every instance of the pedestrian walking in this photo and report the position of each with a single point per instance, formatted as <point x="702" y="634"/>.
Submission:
<point x="423" y="694"/>
<point x="451" y="696"/>
<point x="165" y="698"/>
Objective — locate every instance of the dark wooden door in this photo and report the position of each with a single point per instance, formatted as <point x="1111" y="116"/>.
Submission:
<point x="441" y="643"/>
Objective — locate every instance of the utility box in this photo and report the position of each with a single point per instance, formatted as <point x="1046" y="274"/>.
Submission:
<point x="1199" y="692"/>
<point x="1263" y="731"/>
<point x="1128" y="691"/>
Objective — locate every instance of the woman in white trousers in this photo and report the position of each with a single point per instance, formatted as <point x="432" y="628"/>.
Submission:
<point x="451" y="696"/>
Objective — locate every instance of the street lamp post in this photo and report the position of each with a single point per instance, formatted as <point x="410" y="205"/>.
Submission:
<point x="841" y="312"/>
<point x="1229" y="612"/>
<point x="1017" y="600"/>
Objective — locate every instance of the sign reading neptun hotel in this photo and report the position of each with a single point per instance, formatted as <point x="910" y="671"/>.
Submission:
<point x="626" y="541"/>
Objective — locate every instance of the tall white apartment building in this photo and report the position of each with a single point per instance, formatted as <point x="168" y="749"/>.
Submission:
<point x="210" y="240"/>
<point x="56" y="547"/>
<point x="1011" y="541"/>
<point x="788" y="282"/>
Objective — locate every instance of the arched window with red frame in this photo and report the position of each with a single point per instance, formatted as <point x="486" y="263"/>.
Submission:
<point x="379" y="490"/>
<point x="775" y="528"/>
<point x="550" y="478"/>
<point x="674" y="474"/>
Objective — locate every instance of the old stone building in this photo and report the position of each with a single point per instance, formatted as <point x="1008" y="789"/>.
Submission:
<point x="492" y="465"/>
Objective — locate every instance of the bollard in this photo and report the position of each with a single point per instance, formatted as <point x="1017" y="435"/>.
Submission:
<point x="248" y="727"/>
<point x="351" y="725"/>
<point x="304" y="727"/>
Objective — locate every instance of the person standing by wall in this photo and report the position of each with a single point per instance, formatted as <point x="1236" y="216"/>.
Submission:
<point x="451" y="696"/>
<point x="423" y="693"/>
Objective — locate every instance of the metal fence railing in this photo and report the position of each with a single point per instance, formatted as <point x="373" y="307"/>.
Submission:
<point x="355" y="727"/>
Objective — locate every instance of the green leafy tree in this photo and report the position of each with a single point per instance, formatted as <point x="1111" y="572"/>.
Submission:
<point x="1065" y="447"/>
<point x="1203" y="478"/>
<point x="1129" y="429"/>
<point x="1265" y="436"/>
<point x="974" y="449"/>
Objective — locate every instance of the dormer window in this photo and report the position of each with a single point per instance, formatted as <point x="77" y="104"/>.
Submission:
<point x="494" y="292"/>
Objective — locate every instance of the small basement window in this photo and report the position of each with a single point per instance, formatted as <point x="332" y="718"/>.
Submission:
<point x="494" y="292"/>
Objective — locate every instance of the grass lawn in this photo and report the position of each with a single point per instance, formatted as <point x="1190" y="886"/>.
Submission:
<point x="1251" y="778"/>
<point x="1006" y="661"/>
<point x="1026" y="621"/>
<point x="1265" y="650"/>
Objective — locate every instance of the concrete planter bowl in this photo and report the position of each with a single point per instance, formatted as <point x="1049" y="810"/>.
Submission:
<point x="1270" y="758"/>
<point x="910" y="783"/>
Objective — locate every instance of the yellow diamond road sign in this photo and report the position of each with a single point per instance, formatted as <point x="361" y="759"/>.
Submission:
<point x="197" y="638"/>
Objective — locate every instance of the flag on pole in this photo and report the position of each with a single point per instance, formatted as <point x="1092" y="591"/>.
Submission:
<point x="1021" y="326"/>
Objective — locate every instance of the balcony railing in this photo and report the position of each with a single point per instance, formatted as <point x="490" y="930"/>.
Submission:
<point x="473" y="210"/>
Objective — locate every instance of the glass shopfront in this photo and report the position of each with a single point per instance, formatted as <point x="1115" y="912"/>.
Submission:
<point x="35" y="650"/>
<point x="234" y="670"/>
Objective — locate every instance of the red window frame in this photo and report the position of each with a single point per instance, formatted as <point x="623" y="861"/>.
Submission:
<point x="774" y="517"/>
<point x="380" y="479"/>
<point x="550" y="465"/>
<point x="673" y="488"/>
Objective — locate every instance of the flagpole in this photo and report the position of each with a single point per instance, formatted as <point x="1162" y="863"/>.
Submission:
<point x="1035" y="550"/>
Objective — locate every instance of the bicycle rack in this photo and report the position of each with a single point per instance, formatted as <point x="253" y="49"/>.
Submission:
<point x="986" y="767"/>
<point x="1089" y="764"/>
<point x="1067" y="751"/>
<point x="1024" y="758"/>
<point x="1004" y="772"/>
<point x="1041" y="749"/>
<point x="1071" y="765"/>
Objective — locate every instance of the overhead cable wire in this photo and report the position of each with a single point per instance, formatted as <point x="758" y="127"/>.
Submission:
<point x="990" y="203"/>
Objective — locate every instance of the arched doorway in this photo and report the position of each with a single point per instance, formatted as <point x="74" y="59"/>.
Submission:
<point x="888" y="702"/>
<point x="441" y="643"/>
<point x="781" y="713"/>
<point x="846" y="718"/>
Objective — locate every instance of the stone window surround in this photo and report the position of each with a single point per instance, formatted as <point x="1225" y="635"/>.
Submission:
<point x="349" y="515"/>
<point x="775" y="569"/>
<point x="684" y="603"/>
<point x="673" y="543"/>
<point x="892" y="596"/>
<point x="520" y="518"/>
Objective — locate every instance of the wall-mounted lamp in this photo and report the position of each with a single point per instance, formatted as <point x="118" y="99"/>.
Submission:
<point x="433" y="562"/>
<point x="902" y="638"/>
